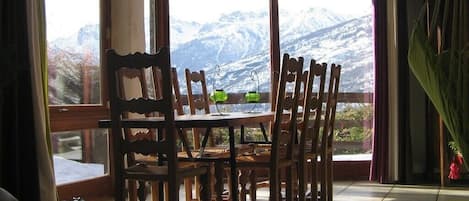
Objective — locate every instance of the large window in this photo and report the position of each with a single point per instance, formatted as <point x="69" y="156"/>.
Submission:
<point x="340" y="32"/>
<point x="229" y="42"/>
<point x="75" y="84"/>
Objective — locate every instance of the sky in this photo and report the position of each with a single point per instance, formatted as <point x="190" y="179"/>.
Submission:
<point x="210" y="10"/>
<point x="73" y="15"/>
<point x="78" y="13"/>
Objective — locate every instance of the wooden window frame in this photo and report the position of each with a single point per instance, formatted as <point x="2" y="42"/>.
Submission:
<point x="79" y="117"/>
<point x="82" y="117"/>
<point x="360" y="169"/>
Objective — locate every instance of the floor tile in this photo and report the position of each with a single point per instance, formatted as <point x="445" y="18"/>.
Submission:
<point x="365" y="191"/>
<point x="453" y="194"/>
<point x="340" y="186"/>
<point x="412" y="193"/>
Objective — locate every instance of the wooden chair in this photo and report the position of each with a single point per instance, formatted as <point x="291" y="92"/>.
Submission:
<point x="125" y="77"/>
<point x="196" y="80"/>
<point x="326" y="150"/>
<point x="198" y="99"/>
<point x="177" y="92"/>
<point x="308" y="129"/>
<point x="146" y="86"/>
<point x="182" y="132"/>
<point x="279" y="155"/>
<point x="155" y="138"/>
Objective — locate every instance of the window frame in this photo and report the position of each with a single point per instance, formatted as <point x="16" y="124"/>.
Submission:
<point x="360" y="169"/>
<point x="86" y="116"/>
<point x="77" y="117"/>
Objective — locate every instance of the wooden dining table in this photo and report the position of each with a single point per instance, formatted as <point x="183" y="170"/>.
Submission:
<point x="229" y="120"/>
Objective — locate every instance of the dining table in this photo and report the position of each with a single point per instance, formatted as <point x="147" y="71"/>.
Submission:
<point x="230" y="120"/>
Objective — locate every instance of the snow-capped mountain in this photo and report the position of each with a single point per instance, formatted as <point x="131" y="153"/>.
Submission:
<point x="239" y="35"/>
<point x="238" y="43"/>
<point x="348" y="44"/>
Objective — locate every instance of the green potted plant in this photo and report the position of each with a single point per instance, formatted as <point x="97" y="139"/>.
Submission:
<point x="441" y="65"/>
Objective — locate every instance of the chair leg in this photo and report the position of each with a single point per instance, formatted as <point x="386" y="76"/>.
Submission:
<point x="253" y="186"/>
<point x="313" y="176"/>
<point x="323" y="188"/>
<point x="132" y="189"/>
<point x="213" y="170"/>
<point x="228" y="173"/>
<point x="205" y="194"/>
<point x="172" y="190"/>
<point x="119" y="189"/>
<point x="302" y="179"/>
<point x="154" y="191"/>
<point x="243" y="179"/>
<point x="161" y="194"/>
<point x="197" y="186"/>
<point x="141" y="192"/>
<point x="167" y="191"/>
<point x="330" y="178"/>
<point x="188" y="188"/>
<point x="274" y="186"/>
<point x="218" y="181"/>
<point x="289" y="183"/>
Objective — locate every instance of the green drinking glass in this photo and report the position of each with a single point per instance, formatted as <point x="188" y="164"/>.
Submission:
<point x="219" y="96"/>
<point x="252" y="97"/>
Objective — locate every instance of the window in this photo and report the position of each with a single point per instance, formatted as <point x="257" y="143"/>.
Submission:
<point x="340" y="32"/>
<point x="75" y="92"/>
<point x="230" y="43"/>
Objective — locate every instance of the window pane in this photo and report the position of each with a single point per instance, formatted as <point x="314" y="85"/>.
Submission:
<point x="73" y="51"/>
<point x="340" y="32"/>
<point x="80" y="155"/>
<point x="230" y="41"/>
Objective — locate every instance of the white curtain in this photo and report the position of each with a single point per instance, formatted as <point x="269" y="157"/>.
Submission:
<point x="38" y="57"/>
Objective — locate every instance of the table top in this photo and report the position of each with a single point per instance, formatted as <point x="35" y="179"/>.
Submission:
<point x="198" y="120"/>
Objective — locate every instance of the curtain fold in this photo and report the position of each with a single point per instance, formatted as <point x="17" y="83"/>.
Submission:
<point x="19" y="173"/>
<point x="23" y="168"/>
<point x="379" y="163"/>
<point x="38" y="58"/>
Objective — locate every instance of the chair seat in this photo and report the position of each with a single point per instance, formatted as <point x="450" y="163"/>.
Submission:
<point x="208" y="153"/>
<point x="259" y="160"/>
<point x="218" y="152"/>
<point x="151" y="160"/>
<point x="265" y="149"/>
<point x="143" y="171"/>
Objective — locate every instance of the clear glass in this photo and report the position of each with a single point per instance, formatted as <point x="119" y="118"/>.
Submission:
<point x="80" y="155"/>
<point x="340" y="32"/>
<point x="73" y="41"/>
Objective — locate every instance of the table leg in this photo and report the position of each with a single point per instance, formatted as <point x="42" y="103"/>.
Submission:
<point x="234" y="172"/>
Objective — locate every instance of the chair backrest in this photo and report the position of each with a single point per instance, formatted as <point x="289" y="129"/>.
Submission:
<point x="287" y="99"/>
<point x="304" y="85"/>
<point x="177" y="92"/>
<point x="196" y="80"/>
<point x="283" y="139"/>
<point x="198" y="99"/>
<point x="331" y="103"/>
<point x="312" y="106"/>
<point x="124" y="108"/>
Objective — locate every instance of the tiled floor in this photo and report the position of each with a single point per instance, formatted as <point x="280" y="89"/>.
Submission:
<point x="370" y="191"/>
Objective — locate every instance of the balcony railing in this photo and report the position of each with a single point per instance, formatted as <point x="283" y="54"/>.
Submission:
<point x="352" y="136"/>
